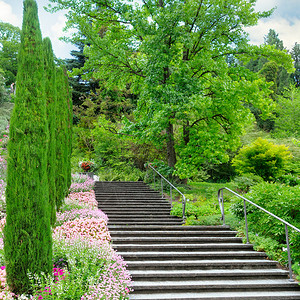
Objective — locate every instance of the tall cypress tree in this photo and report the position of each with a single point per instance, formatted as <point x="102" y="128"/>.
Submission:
<point x="69" y="106"/>
<point x="62" y="138"/>
<point x="50" y="88"/>
<point x="28" y="241"/>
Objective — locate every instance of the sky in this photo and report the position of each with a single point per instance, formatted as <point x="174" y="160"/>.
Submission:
<point x="285" y="21"/>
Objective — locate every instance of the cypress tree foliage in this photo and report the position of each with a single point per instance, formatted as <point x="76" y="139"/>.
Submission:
<point x="69" y="127"/>
<point x="63" y="176"/>
<point x="50" y="88"/>
<point x="28" y="241"/>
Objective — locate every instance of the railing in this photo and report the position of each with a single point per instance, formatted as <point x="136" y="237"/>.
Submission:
<point x="184" y="199"/>
<point x="286" y="224"/>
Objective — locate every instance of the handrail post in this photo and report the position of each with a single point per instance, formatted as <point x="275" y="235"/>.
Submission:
<point x="289" y="252"/>
<point x="223" y="212"/>
<point x="246" y="222"/>
<point x="171" y="194"/>
<point x="153" y="179"/>
<point x="162" y="187"/>
<point x="183" y="207"/>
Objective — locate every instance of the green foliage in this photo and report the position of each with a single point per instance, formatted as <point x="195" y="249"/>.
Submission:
<point x="28" y="239"/>
<point x="196" y="210"/>
<point x="51" y="100"/>
<point x="287" y="123"/>
<point x="190" y="100"/>
<point x="244" y="182"/>
<point x="4" y="97"/>
<point x="9" y="44"/>
<point x="280" y="200"/>
<point x="269" y="245"/>
<point x="289" y="179"/>
<point x="295" y="53"/>
<point x="262" y="158"/>
<point x="63" y="138"/>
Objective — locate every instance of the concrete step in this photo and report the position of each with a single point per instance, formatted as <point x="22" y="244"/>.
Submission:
<point x="129" y="223"/>
<point x="181" y="228"/>
<point x="173" y="233"/>
<point x="173" y="275"/>
<point x="188" y="255"/>
<point x="133" y="211"/>
<point x="223" y="264"/>
<point x="176" y="240"/>
<point x="171" y="261"/>
<point x="145" y="197"/>
<point x="215" y="285"/>
<point x="257" y="295"/>
<point x="122" y="192"/>
<point x="182" y="247"/>
<point x="143" y="217"/>
<point x="132" y="201"/>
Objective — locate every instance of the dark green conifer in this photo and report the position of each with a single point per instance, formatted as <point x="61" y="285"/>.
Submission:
<point x="50" y="89"/>
<point x="28" y="241"/>
<point x="62" y="138"/>
<point x="69" y="127"/>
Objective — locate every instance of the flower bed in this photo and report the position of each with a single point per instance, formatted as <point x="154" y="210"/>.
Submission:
<point x="85" y="199"/>
<point x="70" y="215"/>
<point x="85" y="265"/>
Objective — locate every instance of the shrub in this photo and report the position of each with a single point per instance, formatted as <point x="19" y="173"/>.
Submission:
<point x="289" y="179"/>
<point x="281" y="200"/>
<point x="243" y="183"/>
<point x="195" y="209"/>
<point x="262" y="158"/>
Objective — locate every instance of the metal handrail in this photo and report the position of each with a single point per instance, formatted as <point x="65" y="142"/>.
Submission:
<point x="286" y="224"/>
<point x="184" y="199"/>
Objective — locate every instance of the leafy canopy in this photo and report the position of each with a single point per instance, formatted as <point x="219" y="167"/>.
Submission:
<point x="175" y="56"/>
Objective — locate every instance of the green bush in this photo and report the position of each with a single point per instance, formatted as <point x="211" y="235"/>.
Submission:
<point x="281" y="200"/>
<point x="196" y="209"/>
<point x="289" y="179"/>
<point x="262" y="158"/>
<point x="243" y="183"/>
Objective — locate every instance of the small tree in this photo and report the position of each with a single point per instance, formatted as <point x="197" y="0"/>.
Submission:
<point x="50" y="84"/>
<point x="262" y="158"/>
<point x="28" y="240"/>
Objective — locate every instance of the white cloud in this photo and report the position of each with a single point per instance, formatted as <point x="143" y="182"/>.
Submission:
<point x="7" y="15"/>
<point x="287" y="31"/>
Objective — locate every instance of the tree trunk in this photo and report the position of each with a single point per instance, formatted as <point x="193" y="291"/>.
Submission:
<point x="170" y="146"/>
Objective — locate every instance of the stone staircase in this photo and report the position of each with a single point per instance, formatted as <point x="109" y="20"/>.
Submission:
<point x="171" y="261"/>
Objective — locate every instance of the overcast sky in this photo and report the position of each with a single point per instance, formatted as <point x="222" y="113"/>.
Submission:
<point x="285" y="21"/>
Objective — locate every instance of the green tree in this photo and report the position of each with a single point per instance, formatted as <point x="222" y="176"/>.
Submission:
<point x="28" y="240"/>
<point x="287" y="123"/>
<point x="9" y="44"/>
<point x="262" y="158"/>
<point x="51" y="99"/>
<point x="3" y="92"/>
<point x="274" y="73"/>
<point x="174" y="56"/>
<point x="296" y="57"/>
<point x="63" y="137"/>
<point x="80" y="88"/>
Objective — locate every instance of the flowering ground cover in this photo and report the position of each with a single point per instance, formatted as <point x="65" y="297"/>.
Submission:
<point x="85" y="266"/>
